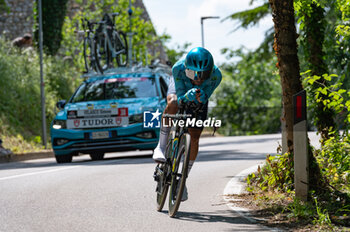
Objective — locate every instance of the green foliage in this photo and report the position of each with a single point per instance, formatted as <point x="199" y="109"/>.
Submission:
<point x="53" y="13"/>
<point x="333" y="197"/>
<point x="248" y="98"/>
<point x="299" y="209"/>
<point x="251" y="17"/>
<point x="20" y="101"/>
<point x="322" y="216"/>
<point x="335" y="46"/>
<point x="343" y="29"/>
<point x="4" y="7"/>
<point x="276" y="174"/>
<point x="331" y="95"/>
<point x="334" y="161"/>
<point x="72" y="44"/>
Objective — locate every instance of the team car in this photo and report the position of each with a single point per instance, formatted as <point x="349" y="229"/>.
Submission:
<point x="106" y="113"/>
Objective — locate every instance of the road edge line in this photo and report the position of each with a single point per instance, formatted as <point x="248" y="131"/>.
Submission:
<point x="236" y="187"/>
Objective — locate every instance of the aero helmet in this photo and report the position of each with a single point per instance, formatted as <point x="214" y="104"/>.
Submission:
<point x="199" y="63"/>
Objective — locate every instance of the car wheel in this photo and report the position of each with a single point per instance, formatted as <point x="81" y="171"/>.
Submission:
<point x="63" y="158"/>
<point x="97" y="156"/>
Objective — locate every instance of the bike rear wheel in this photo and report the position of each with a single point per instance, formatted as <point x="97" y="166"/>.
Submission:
<point x="102" y="53"/>
<point x="179" y="174"/>
<point x="121" y="47"/>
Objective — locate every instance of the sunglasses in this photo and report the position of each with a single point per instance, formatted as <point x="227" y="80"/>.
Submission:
<point x="191" y="74"/>
<point x="195" y="75"/>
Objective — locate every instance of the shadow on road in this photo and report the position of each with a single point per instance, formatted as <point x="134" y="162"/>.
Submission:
<point x="243" y="141"/>
<point x="134" y="159"/>
<point x="205" y="155"/>
<point x="226" y="216"/>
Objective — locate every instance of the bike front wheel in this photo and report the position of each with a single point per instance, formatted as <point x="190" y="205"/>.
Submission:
<point x="179" y="173"/>
<point x="163" y="181"/>
<point x="162" y="186"/>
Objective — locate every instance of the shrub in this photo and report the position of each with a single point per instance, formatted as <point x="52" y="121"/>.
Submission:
<point x="20" y="99"/>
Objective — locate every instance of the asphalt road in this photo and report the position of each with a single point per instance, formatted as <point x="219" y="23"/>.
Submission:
<point x="118" y="193"/>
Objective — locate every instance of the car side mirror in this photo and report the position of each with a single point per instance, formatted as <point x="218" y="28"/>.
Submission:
<point x="60" y="104"/>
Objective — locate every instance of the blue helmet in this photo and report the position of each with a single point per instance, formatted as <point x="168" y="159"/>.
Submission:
<point x="201" y="61"/>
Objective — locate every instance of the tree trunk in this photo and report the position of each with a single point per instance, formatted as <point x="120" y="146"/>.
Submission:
<point x="285" y="47"/>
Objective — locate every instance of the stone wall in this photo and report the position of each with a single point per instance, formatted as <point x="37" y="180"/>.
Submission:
<point x="19" y="20"/>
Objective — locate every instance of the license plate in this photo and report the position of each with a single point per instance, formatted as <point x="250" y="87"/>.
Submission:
<point x="99" y="135"/>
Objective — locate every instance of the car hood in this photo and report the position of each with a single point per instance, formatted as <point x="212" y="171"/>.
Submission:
<point x="134" y="105"/>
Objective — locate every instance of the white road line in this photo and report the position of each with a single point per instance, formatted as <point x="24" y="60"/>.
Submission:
<point x="53" y="170"/>
<point x="235" y="187"/>
<point x="35" y="173"/>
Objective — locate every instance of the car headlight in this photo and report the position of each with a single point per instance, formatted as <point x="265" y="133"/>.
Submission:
<point x="59" y="124"/>
<point x="59" y="142"/>
<point x="146" y="135"/>
<point x="136" y="118"/>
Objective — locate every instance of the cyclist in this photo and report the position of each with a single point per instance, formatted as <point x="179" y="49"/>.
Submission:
<point x="194" y="79"/>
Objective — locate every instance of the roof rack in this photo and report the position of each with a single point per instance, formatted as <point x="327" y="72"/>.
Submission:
<point x="153" y="68"/>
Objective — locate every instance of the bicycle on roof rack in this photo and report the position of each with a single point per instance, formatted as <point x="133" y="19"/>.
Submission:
<point x="89" y="45"/>
<point x="111" y="44"/>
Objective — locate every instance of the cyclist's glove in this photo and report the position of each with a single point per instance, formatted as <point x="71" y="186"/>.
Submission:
<point x="189" y="96"/>
<point x="202" y="97"/>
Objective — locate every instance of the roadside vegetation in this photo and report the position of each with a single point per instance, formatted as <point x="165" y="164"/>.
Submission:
<point x="20" y="108"/>
<point x="323" y="45"/>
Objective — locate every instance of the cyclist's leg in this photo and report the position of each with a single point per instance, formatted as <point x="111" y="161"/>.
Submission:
<point x="171" y="108"/>
<point x="195" y="134"/>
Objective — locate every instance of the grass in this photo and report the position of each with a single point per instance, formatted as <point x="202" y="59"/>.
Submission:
<point x="283" y="210"/>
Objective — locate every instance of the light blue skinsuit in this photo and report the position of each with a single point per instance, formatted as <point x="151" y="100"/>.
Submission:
<point x="183" y="83"/>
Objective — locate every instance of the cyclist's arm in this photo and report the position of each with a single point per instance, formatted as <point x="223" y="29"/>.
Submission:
<point x="179" y="82"/>
<point x="212" y="84"/>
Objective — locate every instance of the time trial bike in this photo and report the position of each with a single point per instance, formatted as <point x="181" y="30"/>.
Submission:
<point x="173" y="173"/>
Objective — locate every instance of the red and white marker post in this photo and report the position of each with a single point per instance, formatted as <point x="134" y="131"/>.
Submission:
<point x="301" y="158"/>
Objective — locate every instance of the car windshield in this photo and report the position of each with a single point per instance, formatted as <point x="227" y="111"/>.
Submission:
<point x="116" y="88"/>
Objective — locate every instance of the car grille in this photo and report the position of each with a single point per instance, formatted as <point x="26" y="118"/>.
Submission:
<point x="103" y="143"/>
